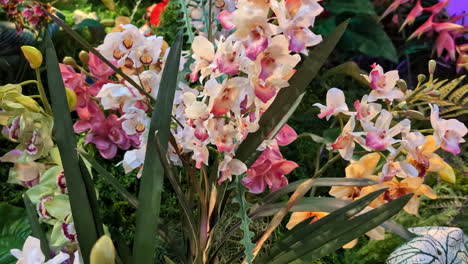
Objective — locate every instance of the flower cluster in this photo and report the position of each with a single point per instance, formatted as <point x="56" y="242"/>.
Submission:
<point x="111" y="111"/>
<point x="241" y="74"/>
<point x="408" y="154"/>
<point x="447" y="29"/>
<point x="235" y="79"/>
<point x="24" y="14"/>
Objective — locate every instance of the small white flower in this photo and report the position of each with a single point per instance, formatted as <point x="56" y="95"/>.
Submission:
<point x="32" y="254"/>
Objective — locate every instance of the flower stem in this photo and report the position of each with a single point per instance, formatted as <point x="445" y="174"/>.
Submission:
<point x="42" y="93"/>
<point x="28" y="82"/>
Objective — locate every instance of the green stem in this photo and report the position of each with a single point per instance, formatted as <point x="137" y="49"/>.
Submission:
<point x="28" y="82"/>
<point x="42" y="93"/>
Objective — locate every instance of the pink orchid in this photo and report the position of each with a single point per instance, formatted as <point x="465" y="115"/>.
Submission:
<point x="447" y="133"/>
<point x="383" y="84"/>
<point x="366" y="111"/>
<point x="268" y="170"/>
<point x="335" y="104"/>
<point x="345" y="142"/>
<point x="286" y="136"/>
<point x="90" y="115"/>
<point x="380" y="136"/>
<point x="71" y="79"/>
<point x="227" y="96"/>
<point x="108" y="136"/>
<point x="230" y="166"/>
<point x="98" y="69"/>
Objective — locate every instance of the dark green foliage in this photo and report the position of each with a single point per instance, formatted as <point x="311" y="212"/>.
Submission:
<point x="169" y="23"/>
<point x="14" y="229"/>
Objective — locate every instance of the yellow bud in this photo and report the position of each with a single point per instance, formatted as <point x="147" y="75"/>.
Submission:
<point x="432" y="66"/>
<point x="109" y="4"/>
<point x="29" y="103"/>
<point x="84" y="57"/>
<point x="103" y="252"/>
<point x="55" y="155"/>
<point x="33" y="55"/>
<point x="70" y="61"/>
<point x="71" y="99"/>
<point x="447" y="174"/>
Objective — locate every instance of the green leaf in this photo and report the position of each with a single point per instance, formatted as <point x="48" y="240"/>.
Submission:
<point x="349" y="68"/>
<point x="244" y="206"/>
<point x="92" y="197"/>
<point x="367" y="36"/>
<point x="110" y="179"/>
<point x="318" y="183"/>
<point x="152" y="178"/>
<point x="349" y="230"/>
<point x="325" y="224"/>
<point x="357" y="7"/>
<point x="14" y="229"/>
<point x="37" y="231"/>
<point x="278" y="113"/>
<point x="66" y="142"/>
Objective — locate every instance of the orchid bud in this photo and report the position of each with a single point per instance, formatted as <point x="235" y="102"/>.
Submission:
<point x="434" y="93"/>
<point x="447" y="174"/>
<point x="71" y="99"/>
<point x="415" y="115"/>
<point x="70" y="61"/>
<point x="103" y="252"/>
<point x="432" y="66"/>
<point x="33" y="56"/>
<point x="29" y="103"/>
<point x="421" y="78"/>
<point x="402" y="105"/>
<point x="402" y="85"/>
<point x="84" y="57"/>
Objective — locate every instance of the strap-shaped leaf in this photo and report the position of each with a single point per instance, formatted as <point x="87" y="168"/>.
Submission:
<point x="153" y="173"/>
<point x="319" y="228"/>
<point x="349" y="230"/>
<point x="110" y="179"/>
<point x="318" y="183"/>
<point x="276" y="115"/>
<point x="66" y="142"/>
<point x="37" y="231"/>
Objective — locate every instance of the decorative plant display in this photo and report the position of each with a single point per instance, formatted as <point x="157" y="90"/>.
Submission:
<point x="185" y="136"/>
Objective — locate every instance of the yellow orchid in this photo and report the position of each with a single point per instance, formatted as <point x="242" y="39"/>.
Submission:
<point x="427" y="160"/>
<point x="363" y="169"/>
<point x="396" y="189"/>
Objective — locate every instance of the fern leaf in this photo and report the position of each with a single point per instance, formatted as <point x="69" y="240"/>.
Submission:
<point x="448" y="88"/>
<point x="246" y="240"/>
<point x="459" y="94"/>
<point x="186" y="19"/>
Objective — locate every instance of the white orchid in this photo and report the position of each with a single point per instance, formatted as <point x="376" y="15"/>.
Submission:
<point x="135" y="121"/>
<point x="383" y="84"/>
<point x="32" y="254"/>
<point x="115" y="95"/>
<point x="335" y="104"/>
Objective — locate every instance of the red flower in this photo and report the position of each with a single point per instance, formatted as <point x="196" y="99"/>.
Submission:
<point x="158" y="9"/>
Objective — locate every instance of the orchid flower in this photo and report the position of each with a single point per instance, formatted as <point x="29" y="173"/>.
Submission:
<point x="383" y="84"/>
<point x="447" y="133"/>
<point x="118" y="96"/>
<point x="118" y="45"/>
<point x="345" y="142"/>
<point x="268" y="170"/>
<point x="230" y="166"/>
<point x="204" y="55"/>
<point x="366" y="111"/>
<point x="380" y="136"/>
<point x="335" y="104"/>
<point x="32" y="253"/>
<point x="362" y="169"/>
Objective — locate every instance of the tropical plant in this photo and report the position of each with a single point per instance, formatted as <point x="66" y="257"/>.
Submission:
<point x="226" y="119"/>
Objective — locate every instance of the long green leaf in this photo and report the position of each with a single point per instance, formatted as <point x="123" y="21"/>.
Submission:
<point x="153" y="173"/>
<point x="324" y="224"/>
<point x="92" y="197"/>
<point x="66" y="142"/>
<point x="110" y="179"/>
<point x="37" y="231"/>
<point x="354" y="228"/>
<point x="318" y="183"/>
<point x="276" y="115"/>
<point x="178" y="190"/>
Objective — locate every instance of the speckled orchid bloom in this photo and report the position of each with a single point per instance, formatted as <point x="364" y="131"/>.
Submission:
<point x="383" y="84"/>
<point x="447" y="133"/>
<point x="118" y="45"/>
<point x="379" y="136"/>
